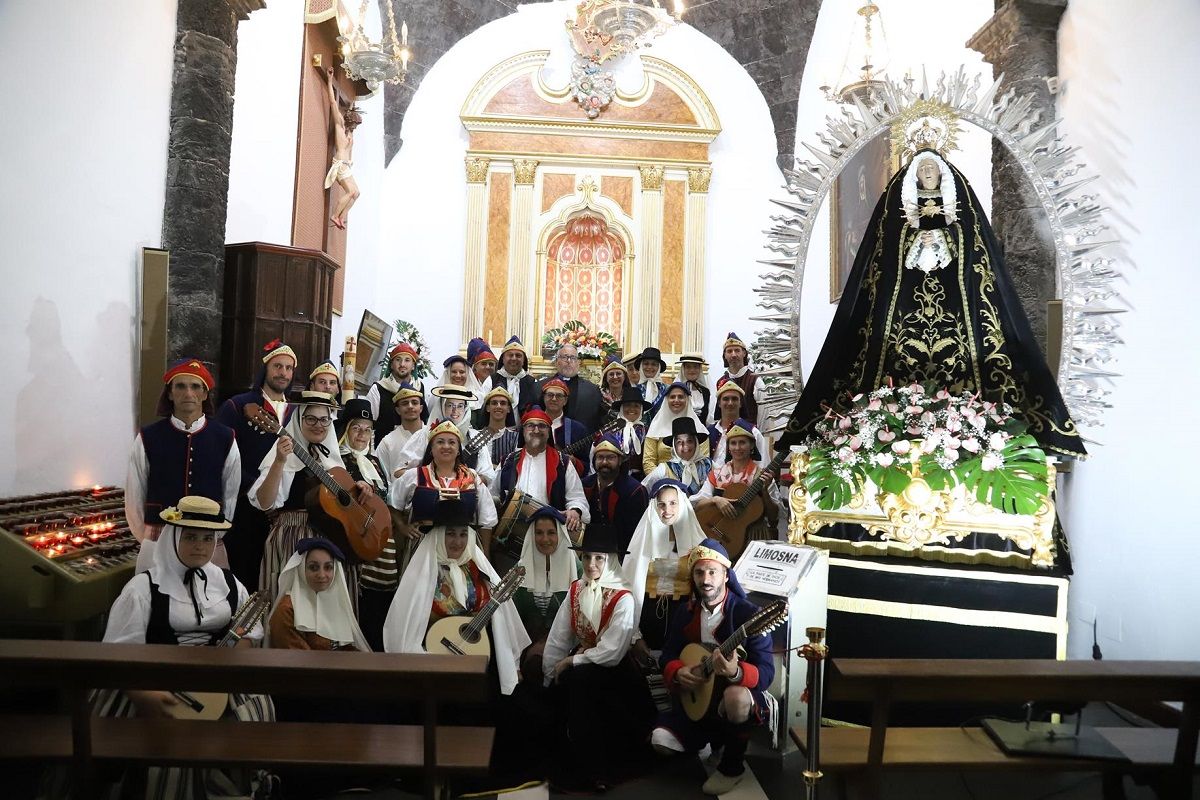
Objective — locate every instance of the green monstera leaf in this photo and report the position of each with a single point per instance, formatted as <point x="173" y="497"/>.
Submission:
<point x="827" y="488"/>
<point x="1018" y="486"/>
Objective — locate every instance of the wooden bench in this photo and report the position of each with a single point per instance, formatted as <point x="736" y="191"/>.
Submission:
<point x="865" y="753"/>
<point x="78" y="668"/>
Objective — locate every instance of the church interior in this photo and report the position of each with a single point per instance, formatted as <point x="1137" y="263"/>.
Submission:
<point x="669" y="398"/>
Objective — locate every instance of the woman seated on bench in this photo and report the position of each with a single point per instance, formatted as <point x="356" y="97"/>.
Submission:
<point x="449" y="576"/>
<point x="313" y="611"/>
<point x="183" y="599"/>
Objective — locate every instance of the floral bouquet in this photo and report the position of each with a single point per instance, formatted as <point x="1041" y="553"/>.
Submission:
<point x="899" y="436"/>
<point x="404" y="331"/>
<point x="595" y="345"/>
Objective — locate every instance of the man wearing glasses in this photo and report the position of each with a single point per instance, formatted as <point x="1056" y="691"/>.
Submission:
<point x="585" y="405"/>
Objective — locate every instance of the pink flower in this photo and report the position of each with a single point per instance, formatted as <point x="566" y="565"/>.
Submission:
<point x="856" y="397"/>
<point x="901" y="447"/>
<point x="996" y="441"/>
<point x="929" y="445"/>
<point x="845" y="455"/>
<point x="844" y="423"/>
<point x="913" y="430"/>
<point x="841" y="440"/>
<point x="952" y="455"/>
<point x="885" y="435"/>
<point x="991" y="462"/>
<point x="913" y="410"/>
<point x="892" y="408"/>
<point x="971" y="445"/>
<point x="917" y="388"/>
<point x="855" y="443"/>
<point x="951" y="443"/>
<point x="927" y="418"/>
<point x="875" y="404"/>
<point x="884" y="459"/>
<point x="942" y="395"/>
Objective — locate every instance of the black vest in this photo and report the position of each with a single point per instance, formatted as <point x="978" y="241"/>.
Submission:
<point x="159" y="630"/>
<point x="184" y="464"/>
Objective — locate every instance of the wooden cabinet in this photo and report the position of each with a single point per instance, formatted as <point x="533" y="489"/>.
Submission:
<point x="274" y="292"/>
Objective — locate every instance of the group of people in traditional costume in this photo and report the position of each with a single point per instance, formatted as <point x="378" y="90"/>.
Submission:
<point x="588" y="488"/>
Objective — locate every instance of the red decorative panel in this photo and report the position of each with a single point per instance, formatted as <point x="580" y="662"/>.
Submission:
<point x="583" y="275"/>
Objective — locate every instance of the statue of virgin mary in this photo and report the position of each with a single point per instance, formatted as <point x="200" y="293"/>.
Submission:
<point x="929" y="300"/>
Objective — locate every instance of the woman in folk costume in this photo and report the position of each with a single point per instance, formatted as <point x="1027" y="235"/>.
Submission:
<point x="482" y="362"/>
<point x="693" y="374"/>
<point x="450" y="575"/>
<point x="284" y="482"/>
<point x="183" y="599"/>
<point x="441" y="476"/>
<point x="668" y="530"/>
<point x="455" y="403"/>
<point x="604" y="710"/>
<point x="614" y="379"/>
<point x="676" y="404"/>
<point x="550" y="567"/>
<point x="377" y="579"/>
<point x="650" y="369"/>
<point x="631" y="409"/>
<point x="687" y="465"/>
<point x="313" y="611"/>
<point x="456" y="372"/>
<point x="743" y="465"/>
<point x="730" y="399"/>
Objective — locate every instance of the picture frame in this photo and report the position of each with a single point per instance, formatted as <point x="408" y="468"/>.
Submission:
<point x="852" y="200"/>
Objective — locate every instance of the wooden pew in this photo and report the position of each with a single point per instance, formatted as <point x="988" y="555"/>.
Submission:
<point x="883" y="682"/>
<point x="78" y="668"/>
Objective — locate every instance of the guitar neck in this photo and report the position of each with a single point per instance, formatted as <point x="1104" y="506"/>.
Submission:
<point x="481" y="620"/>
<point x="312" y="465"/>
<point x="582" y="442"/>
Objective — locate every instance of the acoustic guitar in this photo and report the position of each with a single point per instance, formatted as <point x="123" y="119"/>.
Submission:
<point x="748" y="509"/>
<point x="467" y="636"/>
<point x="212" y="705"/>
<point x="697" y="701"/>
<point x="358" y="522"/>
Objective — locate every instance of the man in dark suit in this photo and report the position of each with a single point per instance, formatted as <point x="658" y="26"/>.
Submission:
<point x="585" y="405"/>
<point x="513" y="376"/>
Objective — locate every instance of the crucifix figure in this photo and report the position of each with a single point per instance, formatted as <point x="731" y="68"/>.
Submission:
<point x="344" y="123"/>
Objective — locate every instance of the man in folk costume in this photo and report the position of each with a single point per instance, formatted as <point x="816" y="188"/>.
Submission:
<point x="409" y="405"/>
<point x="498" y="428"/>
<point x="455" y="402"/>
<point x="450" y="574"/>
<point x="603" y="702"/>
<point x="546" y="475"/>
<point x="269" y="391"/>
<point x="743" y="465"/>
<point x="650" y="368"/>
<point x="631" y="408"/>
<point x="402" y="361"/>
<point x="513" y="376"/>
<point x="613" y="497"/>
<point x="687" y="466"/>
<point x="692" y="369"/>
<point x="717" y="608"/>
<point x="585" y="404"/>
<point x="325" y="378"/>
<point x="563" y="430"/>
<point x="729" y="404"/>
<point x="482" y="361"/>
<point x="737" y="368"/>
<point x="183" y="599"/>
<point x="184" y="453"/>
<point x="378" y="578"/>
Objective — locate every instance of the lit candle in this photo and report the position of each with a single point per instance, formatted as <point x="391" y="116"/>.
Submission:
<point x="678" y="9"/>
<point x="403" y="33"/>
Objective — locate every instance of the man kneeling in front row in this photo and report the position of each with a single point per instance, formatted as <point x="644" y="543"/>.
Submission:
<point x="717" y="608"/>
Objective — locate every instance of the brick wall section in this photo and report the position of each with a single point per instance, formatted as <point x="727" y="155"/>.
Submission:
<point x="770" y="38"/>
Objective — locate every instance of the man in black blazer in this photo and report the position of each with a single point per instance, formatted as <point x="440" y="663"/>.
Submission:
<point x="584" y="404"/>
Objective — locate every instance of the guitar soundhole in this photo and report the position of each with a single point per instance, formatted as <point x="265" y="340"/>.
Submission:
<point x="344" y="499"/>
<point x="470" y="638"/>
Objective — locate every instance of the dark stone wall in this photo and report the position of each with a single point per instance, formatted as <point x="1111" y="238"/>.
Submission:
<point x="770" y="38"/>
<point x="197" y="188"/>
<point x="1021" y="42"/>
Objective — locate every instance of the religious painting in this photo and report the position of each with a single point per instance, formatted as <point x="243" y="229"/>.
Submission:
<point x="852" y="201"/>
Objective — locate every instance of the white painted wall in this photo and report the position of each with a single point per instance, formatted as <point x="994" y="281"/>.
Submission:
<point x="84" y="184"/>
<point x="934" y="38"/>
<point x="1130" y="72"/>
<point x="423" y="197"/>
<point x="262" y="157"/>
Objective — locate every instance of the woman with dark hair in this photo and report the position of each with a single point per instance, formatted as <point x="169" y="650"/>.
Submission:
<point x="613" y="380"/>
<point x="443" y="474"/>
<point x="675" y="403"/>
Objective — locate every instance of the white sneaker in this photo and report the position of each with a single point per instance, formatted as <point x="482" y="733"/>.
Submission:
<point x="719" y="783"/>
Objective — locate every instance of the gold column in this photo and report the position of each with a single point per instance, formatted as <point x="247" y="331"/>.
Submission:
<point x="693" y="264"/>
<point x="521" y="263"/>
<point x="476" y="260"/>
<point x="649" y="276"/>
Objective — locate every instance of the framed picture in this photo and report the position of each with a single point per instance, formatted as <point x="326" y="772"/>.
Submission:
<point x="374" y="339"/>
<point x="855" y="192"/>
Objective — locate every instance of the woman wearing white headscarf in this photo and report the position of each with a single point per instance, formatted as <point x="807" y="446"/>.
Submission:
<point x="668" y="531"/>
<point x="603" y="702"/>
<point x="450" y="575"/>
<point x="182" y="599"/>
<point x="550" y="567"/>
<point x="313" y="611"/>
<point x="676" y="403"/>
<point x="284" y="482"/>
<point x="686" y="465"/>
<point x="457" y="373"/>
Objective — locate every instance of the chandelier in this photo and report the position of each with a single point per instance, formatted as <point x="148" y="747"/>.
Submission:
<point x="385" y="61"/>
<point x="604" y="29"/>
<point x="866" y="59"/>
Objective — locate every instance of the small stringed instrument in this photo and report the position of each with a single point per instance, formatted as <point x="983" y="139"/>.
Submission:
<point x="697" y="701"/>
<point x="467" y="636"/>
<point x="748" y="506"/>
<point x="212" y="705"/>
<point x="584" y="442"/>
<point x="358" y="522"/>
<point x="480" y="440"/>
